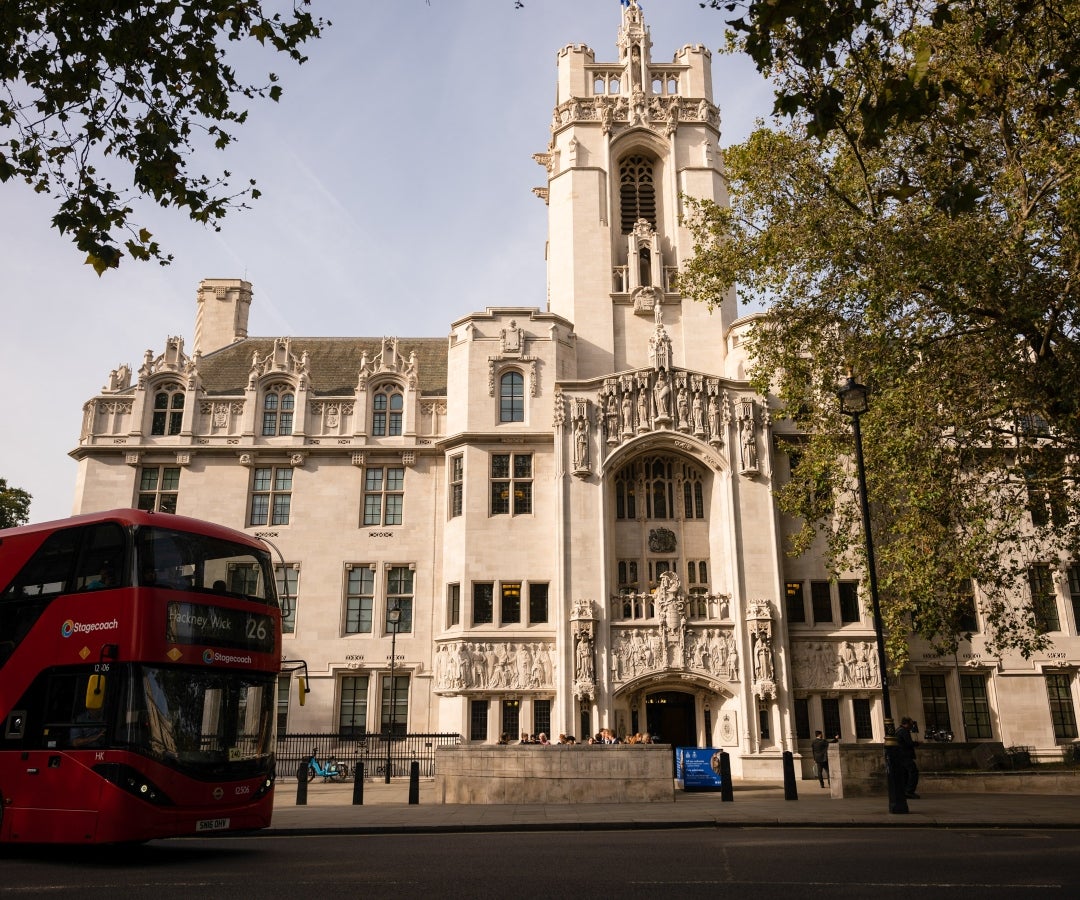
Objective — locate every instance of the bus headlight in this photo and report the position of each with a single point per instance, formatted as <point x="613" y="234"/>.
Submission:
<point x="134" y="782"/>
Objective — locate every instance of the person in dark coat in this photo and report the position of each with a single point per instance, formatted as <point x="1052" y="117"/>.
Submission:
<point x="819" y="748"/>
<point x="906" y="757"/>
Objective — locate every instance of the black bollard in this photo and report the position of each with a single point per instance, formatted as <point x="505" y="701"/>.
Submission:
<point x="301" y="783"/>
<point x="414" y="783"/>
<point x="791" y="791"/>
<point x="727" y="795"/>
<point x="358" y="784"/>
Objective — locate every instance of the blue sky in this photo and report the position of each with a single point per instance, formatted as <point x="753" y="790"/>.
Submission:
<point x="396" y="177"/>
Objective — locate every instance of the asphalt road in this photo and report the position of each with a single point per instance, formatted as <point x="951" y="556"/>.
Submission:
<point x="730" y="862"/>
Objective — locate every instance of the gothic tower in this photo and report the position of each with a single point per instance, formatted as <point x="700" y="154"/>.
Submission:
<point x="629" y="139"/>
<point x="669" y="570"/>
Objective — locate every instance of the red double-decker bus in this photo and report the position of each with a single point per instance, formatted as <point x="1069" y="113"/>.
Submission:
<point x="139" y="656"/>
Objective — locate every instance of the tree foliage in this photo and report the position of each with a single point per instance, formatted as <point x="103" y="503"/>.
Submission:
<point x="14" y="505"/>
<point x="809" y="44"/>
<point x="926" y="239"/>
<point x="102" y="101"/>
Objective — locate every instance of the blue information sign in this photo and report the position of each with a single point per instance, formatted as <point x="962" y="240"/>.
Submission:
<point x="698" y="768"/>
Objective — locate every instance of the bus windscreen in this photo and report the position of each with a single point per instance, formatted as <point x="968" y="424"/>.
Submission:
<point x="182" y="560"/>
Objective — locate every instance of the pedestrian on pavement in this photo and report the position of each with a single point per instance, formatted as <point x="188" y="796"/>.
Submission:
<point x="906" y="757"/>
<point x="819" y="748"/>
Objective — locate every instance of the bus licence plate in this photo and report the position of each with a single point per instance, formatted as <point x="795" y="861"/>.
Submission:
<point x="211" y="824"/>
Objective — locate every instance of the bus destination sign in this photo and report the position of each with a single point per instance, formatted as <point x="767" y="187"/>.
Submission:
<point x="197" y="623"/>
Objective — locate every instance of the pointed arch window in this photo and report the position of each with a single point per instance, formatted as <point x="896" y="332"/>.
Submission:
<point x="512" y="397"/>
<point x="168" y="410"/>
<point x="659" y="489"/>
<point x="387" y="404"/>
<point x="625" y="496"/>
<point x="637" y="192"/>
<point x="693" y="494"/>
<point x="278" y="405"/>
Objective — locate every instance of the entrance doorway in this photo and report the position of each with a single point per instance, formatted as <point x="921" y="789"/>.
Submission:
<point x="670" y="718"/>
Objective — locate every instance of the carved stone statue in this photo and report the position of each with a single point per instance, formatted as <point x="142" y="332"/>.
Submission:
<point x="763" y="666"/>
<point x="627" y="413"/>
<point x="698" y="412"/>
<point x="673" y="116"/>
<point x="584" y="670"/>
<point x="748" y="435"/>
<point x="581" y="443"/>
<point x="714" y="418"/>
<point x="662" y="396"/>
<point x="683" y="404"/>
<point x="642" y="411"/>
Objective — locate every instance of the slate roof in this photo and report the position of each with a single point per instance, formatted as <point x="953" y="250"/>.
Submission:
<point x="334" y="363"/>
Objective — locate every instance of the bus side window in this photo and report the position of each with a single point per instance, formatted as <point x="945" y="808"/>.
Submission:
<point x="68" y="722"/>
<point x="44" y="576"/>
<point x="49" y="570"/>
<point x="101" y="562"/>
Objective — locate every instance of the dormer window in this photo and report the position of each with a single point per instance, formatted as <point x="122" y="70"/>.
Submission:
<point x="387" y="405"/>
<point x="168" y="410"/>
<point x="278" y="405"/>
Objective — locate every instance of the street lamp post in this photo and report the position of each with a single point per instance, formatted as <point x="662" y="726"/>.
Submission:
<point x="854" y="401"/>
<point x="393" y="617"/>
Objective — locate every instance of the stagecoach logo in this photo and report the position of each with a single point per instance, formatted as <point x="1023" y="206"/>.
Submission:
<point x="213" y="656"/>
<point x="71" y="627"/>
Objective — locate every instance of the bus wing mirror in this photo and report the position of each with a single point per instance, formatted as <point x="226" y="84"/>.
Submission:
<point x="95" y="691"/>
<point x="301" y="683"/>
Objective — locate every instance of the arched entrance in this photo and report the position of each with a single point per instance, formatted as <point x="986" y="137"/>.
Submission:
<point x="671" y="719"/>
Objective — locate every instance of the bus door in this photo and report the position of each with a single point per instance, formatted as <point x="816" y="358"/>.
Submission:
<point x="50" y="791"/>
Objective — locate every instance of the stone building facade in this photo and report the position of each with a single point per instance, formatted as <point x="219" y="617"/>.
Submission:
<point x="572" y="508"/>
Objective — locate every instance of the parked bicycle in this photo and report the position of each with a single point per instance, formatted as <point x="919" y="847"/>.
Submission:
<point x="938" y="734"/>
<point x="331" y="770"/>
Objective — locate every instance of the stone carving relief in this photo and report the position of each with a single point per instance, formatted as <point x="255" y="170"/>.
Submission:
<point x="643" y="650"/>
<point x="662" y="540"/>
<point x="464" y="666"/>
<point x="330" y="417"/>
<point x="513" y="340"/>
<point x="113" y="416"/>
<point x="729" y="731"/>
<point x="828" y="665"/>
<point x="660" y="346"/>
<point x="662" y="399"/>
<point x="616" y="114"/>
<point x="221" y="415"/>
<point x="672" y="643"/>
<point x="432" y="417"/>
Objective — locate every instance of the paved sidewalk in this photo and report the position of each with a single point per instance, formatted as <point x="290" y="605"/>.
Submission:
<point x="386" y="809"/>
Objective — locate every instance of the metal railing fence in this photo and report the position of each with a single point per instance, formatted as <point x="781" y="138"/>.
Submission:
<point x="370" y="749"/>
